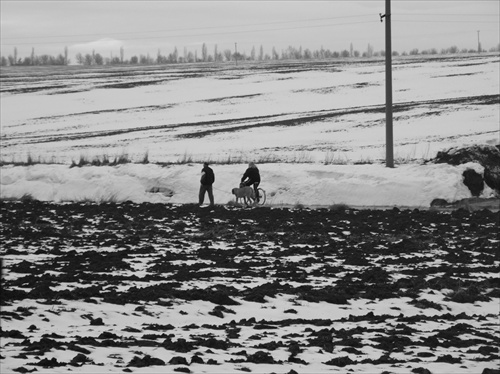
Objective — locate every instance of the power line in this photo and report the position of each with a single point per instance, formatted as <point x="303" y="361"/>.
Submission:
<point x="440" y="21"/>
<point x="450" y="33"/>
<point x="193" y="28"/>
<point x="207" y="34"/>
<point x="448" y="14"/>
<point x="179" y="33"/>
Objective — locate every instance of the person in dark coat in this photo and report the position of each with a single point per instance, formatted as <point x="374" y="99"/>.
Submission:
<point x="251" y="177"/>
<point x="206" y="182"/>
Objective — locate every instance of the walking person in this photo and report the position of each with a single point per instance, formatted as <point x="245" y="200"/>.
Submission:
<point x="206" y="182"/>
<point x="252" y="177"/>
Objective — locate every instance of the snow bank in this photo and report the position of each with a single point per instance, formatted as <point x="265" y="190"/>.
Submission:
<point x="286" y="184"/>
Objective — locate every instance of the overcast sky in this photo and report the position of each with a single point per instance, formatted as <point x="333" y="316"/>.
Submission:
<point x="144" y="27"/>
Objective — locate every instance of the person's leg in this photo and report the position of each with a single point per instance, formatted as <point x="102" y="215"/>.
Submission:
<point x="201" y="196"/>
<point x="255" y="187"/>
<point x="210" y="194"/>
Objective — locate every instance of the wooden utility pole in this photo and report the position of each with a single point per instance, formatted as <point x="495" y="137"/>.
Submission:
<point x="236" y="53"/>
<point x="389" y="147"/>
<point x="478" y="43"/>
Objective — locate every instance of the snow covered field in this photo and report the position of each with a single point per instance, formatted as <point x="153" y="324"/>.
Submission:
<point x="301" y="111"/>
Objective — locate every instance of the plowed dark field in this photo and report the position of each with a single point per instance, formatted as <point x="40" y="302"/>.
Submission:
<point x="225" y="289"/>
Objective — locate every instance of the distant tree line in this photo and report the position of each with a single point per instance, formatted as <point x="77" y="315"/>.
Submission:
<point x="227" y="55"/>
<point x="35" y="60"/>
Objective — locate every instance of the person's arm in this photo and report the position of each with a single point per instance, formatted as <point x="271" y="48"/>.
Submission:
<point x="244" y="175"/>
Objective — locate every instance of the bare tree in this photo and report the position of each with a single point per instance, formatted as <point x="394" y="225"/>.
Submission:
<point x="66" y="60"/>
<point x="204" y="52"/>
<point x="98" y="59"/>
<point x="80" y="59"/>
<point x="261" y="53"/>
<point x="44" y="59"/>
<point x="322" y="52"/>
<point x="173" y="57"/>
<point x="89" y="59"/>
<point x="59" y="60"/>
<point x="369" y="50"/>
<point x="275" y="56"/>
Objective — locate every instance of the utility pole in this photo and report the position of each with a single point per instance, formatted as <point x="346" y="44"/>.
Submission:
<point x="478" y="43"/>
<point x="389" y="147"/>
<point x="236" y="53"/>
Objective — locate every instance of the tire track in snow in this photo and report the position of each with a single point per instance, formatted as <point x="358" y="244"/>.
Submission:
<point x="246" y="123"/>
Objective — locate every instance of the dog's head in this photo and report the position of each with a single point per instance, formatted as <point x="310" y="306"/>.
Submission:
<point x="234" y="191"/>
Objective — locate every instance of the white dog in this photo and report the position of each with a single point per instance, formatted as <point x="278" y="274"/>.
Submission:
<point x="246" y="193"/>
